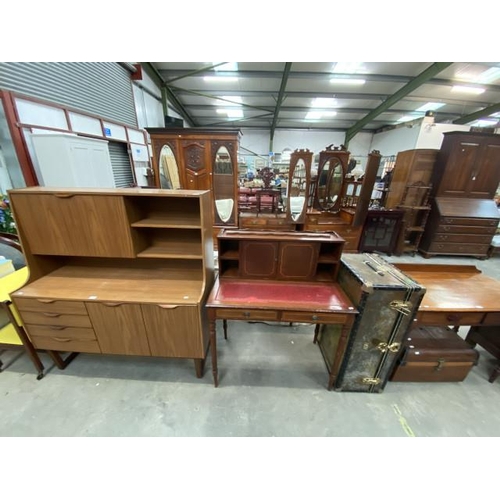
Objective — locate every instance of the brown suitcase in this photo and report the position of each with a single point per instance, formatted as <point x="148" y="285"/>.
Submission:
<point x="434" y="354"/>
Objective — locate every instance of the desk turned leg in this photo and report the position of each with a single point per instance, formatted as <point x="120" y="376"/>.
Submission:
<point x="339" y="354"/>
<point x="213" y="348"/>
<point x="224" y="325"/>
<point x="316" y="333"/>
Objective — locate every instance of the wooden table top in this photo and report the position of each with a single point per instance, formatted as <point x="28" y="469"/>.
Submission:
<point x="254" y="294"/>
<point x="454" y="287"/>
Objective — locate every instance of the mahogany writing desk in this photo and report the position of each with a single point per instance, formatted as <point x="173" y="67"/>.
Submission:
<point x="455" y="295"/>
<point x="279" y="276"/>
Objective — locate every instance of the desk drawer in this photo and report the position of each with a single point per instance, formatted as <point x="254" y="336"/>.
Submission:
<point x="52" y="318"/>
<point x="460" y="238"/>
<point x="310" y="317"/>
<point x="492" y="319"/>
<point x="456" y="318"/>
<point x="65" y="344"/>
<point x="248" y="314"/>
<point x="465" y="229"/>
<point x="469" y="221"/>
<point x="460" y="248"/>
<point x="50" y="306"/>
<point x="69" y="332"/>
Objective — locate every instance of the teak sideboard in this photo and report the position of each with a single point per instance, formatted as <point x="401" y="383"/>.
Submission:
<point x="116" y="271"/>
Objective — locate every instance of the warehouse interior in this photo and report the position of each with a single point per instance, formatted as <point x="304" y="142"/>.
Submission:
<point x="272" y="378"/>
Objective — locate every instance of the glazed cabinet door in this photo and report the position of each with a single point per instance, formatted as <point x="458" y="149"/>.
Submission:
<point x="259" y="259"/>
<point x="119" y="328"/>
<point x="76" y="225"/>
<point x="173" y="331"/>
<point x="297" y="260"/>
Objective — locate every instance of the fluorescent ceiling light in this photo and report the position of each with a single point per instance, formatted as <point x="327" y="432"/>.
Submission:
<point x="231" y="66"/>
<point x="316" y="115"/>
<point x="231" y="113"/>
<point x="431" y="106"/>
<point x="348" y="81"/>
<point x="348" y="67"/>
<point x="220" y="78"/>
<point x="467" y="90"/>
<point x="323" y="102"/>
<point x="489" y="76"/>
<point x="484" y="123"/>
<point x="236" y="100"/>
<point x="495" y="115"/>
<point x="408" y="118"/>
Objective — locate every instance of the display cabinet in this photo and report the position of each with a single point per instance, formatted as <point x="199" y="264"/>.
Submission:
<point x="118" y="271"/>
<point x="198" y="158"/>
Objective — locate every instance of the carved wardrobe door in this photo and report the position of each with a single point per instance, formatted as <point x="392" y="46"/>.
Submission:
<point x="195" y="157"/>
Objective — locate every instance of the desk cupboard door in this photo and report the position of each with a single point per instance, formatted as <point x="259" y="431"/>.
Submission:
<point x="173" y="331"/>
<point x="297" y="260"/>
<point x="119" y="328"/>
<point x="259" y="259"/>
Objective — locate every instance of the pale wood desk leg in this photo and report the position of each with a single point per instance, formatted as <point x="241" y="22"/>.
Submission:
<point x="224" y="325"/>
<point x="339" y="354"/>
<point x="199" y="364"/>
<point x="316" y="333"/>
<point x="213" y="348"/>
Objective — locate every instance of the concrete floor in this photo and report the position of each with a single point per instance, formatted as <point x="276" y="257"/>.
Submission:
<point x="272" y="383"/>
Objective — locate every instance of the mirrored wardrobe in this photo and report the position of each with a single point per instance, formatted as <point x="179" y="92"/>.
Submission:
<point x="204" y="159"/>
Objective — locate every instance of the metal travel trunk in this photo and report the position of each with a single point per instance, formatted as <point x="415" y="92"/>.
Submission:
<point x="387" y="301"/>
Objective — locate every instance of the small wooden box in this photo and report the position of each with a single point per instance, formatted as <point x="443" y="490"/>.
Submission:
<point x="434" y="354"/>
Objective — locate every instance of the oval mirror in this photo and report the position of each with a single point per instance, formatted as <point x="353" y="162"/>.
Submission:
<point x="223" y="186"/>
<point x="330" y="184"/>
<point x="169" y="172"/>
<point x="298" y="190"/>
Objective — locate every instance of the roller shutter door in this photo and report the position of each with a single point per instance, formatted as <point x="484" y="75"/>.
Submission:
<point x="120" y="163"/>
<point x="100" y="88"/>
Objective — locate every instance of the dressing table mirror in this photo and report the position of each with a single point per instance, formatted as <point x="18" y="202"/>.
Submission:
<point x="332" y="169"/>
<point x="299" y="179"/>
<point x="223" y="186"/>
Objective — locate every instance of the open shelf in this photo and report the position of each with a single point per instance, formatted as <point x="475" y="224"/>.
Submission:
<point x="169" y="221"/>
<point x="230" y="255"/>
<point x="169" y="252"/>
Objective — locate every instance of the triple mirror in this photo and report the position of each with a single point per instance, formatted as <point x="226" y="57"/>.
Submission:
<point x="299" y="179"/>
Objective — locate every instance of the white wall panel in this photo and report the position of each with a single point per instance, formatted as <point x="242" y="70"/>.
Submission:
<point x="85" y="124"/>
<point x="431" y="134"/>
<point x="393" y="141"/>
<point x="114" y="131"/>
<point x="33" y="113"/>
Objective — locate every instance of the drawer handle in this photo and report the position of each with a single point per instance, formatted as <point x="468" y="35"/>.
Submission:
<point x="64" y="195"/>
<point x="111" y="304"/>
<point x="54" y="327"/>
<point x="454" y="317"/>
<point x="59" y="339"/>
<point x="51" y="315"/>
<point x="167" y="306"/>
<point x="314" y="317"/>
<point x="46" y="301"/>
<point x="246" y="314"/>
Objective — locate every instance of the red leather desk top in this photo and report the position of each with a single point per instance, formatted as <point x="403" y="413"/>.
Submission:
<point x="250" y="294"/>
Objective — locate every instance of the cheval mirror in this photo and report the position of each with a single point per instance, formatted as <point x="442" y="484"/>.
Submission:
<point x="332" y="169"/>
<point x="299" y="179"/>
<point x="223" y="186"/>
<point x="168" y="170"/>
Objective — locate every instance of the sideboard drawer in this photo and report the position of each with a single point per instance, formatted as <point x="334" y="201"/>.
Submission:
<point x="50" y="306"/>
<point x="248" y="314"/>
<point x="49" y="318"/>
<point x="312" y="317"/>
<point x="465" y="230"/>
<point x="65" y="344"/>
<point x="70" y="332"/>
<point x="458" y="318"/>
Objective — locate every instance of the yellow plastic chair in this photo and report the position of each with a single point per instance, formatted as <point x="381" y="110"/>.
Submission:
<point x="13" y="335"/>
